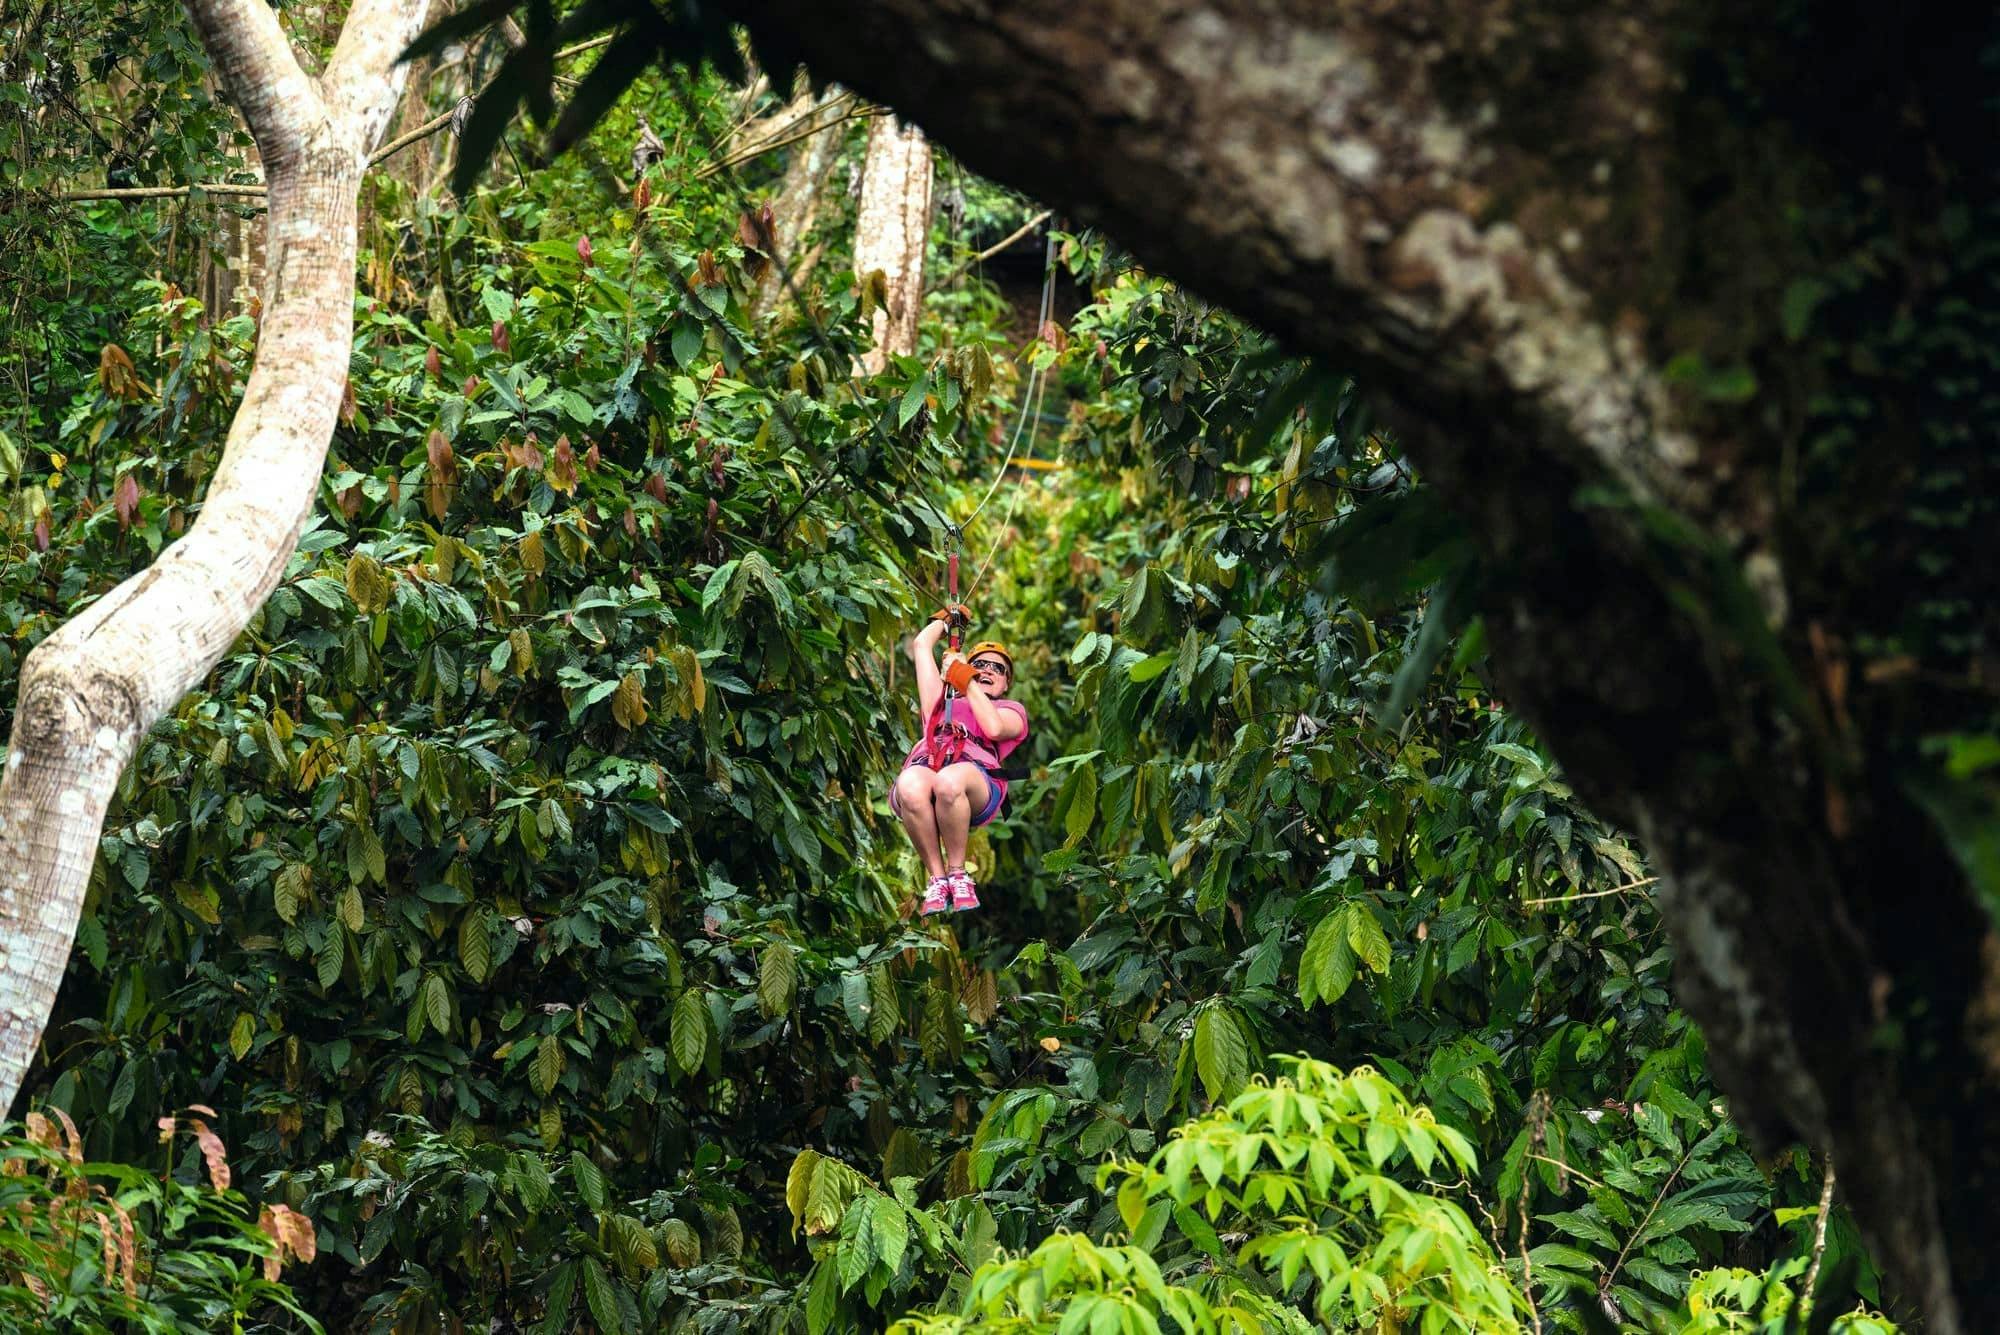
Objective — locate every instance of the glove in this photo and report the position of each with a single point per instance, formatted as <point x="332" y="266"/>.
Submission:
<point x="958" y="675"/>
<point x="951" y="612"/>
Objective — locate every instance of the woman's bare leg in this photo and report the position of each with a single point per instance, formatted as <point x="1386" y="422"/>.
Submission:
<point x="960" y="790"/>
<point x="913" y="803"/>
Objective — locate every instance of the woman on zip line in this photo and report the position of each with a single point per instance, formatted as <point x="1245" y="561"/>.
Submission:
<point x="950" y="784"/>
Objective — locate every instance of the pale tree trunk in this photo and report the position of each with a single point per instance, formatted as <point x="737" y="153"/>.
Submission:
<point x="891" y="229"/>
<point x="89" y="692"/>
<point x="1541" y="232"/>
<point x="795" y="209"/>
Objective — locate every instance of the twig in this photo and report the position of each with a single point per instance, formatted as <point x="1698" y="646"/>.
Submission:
<point x="1819" y="1239"/>
<point x="764" y="146"/>
<point x="1571" y="1169"/>
<point x="1538" y="1122"/>
<point x="582" y="47"/>
<point x="1001" y="244"/>
<point x="162" y="191"/>
<point x="394" y="146"/>
<point x="403" y="141"/>
<point x="1591" y="894"/>
<point x="1604" y="1285"/>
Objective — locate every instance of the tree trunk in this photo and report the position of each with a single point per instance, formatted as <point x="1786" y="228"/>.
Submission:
<point x="795" y="208"/>
<point x="91" y="690"/>
<point x="1631" y="281"/>
<point x="891" y="232"/>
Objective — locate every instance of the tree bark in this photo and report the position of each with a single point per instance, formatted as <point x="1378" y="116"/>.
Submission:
<point x="892" y="232"/>
<point x="89" y="692"/>
<point x="1589" y="257"/>
<point x="795" y="208"/>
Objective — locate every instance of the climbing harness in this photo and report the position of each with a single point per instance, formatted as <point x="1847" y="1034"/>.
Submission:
<point x="945" y="738"/>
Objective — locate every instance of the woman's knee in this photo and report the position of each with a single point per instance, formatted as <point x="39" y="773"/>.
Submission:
<point x="949" y="788"/>
<point x="914" y="785"/>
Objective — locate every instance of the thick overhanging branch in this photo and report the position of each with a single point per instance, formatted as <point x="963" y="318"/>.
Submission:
<point x="1474" y="206"/>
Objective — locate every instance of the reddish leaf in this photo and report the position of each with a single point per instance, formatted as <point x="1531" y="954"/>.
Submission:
<point x="125" y="499"/>
<point x="433" y="364"/>
<point x="501" y="343"/>
<point x="583" y="250"/>
<point x="562" y="466"/>
<point x="75" y="1146"/>
<point x="213" y="1152"/>
<point x="592" y="460"/>
<point x="348" y="407"/>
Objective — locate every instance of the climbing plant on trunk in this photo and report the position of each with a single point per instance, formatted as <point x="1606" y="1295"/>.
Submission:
<point x="90" y="691"/>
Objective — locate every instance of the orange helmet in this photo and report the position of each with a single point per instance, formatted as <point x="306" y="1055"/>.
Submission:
<point x="991" y="647"/>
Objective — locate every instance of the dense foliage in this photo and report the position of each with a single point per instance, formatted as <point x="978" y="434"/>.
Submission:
<point x="521" y="892"/>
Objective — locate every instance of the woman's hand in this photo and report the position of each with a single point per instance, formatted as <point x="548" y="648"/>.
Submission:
<point x="957" y="671"/>
<point x="932" y="632"/>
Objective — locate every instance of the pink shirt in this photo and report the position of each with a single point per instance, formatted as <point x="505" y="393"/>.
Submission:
<point x="979" y="748"/>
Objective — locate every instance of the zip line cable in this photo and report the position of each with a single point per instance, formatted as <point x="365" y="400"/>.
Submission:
<point x="1031" y="413"/>
<point x="1007" y="520"/>
<point x="1031" y="395"/>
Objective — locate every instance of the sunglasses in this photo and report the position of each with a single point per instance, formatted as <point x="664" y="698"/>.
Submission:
<point x="991" y="665"/>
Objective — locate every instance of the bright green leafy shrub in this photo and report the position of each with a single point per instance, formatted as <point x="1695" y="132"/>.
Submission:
<point x="102" y="1247"/>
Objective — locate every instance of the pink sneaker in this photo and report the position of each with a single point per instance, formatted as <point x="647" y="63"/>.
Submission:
<point x="964" y="893"/>
<point x="937" y="896"/>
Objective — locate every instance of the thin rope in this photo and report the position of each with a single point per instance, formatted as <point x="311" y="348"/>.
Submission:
<point x="1032" y="392"/>
<point x="1006" y="522"/>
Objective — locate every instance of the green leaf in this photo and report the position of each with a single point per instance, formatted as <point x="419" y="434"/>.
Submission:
<point x="289" y="889"/>
<point x="467" y="23"/>
<point x="885" y="1013"/>
<point x="475" y="945"/>
<point x="1082" y="810"/>
<point x="891" y="1231"/>
<point x="548" y="1067"/>
<point x="331" y="954"/>
<point x="854" y="999"/>
<point x="598" y="1294"/>
<point x="1365" y="935"/>
<point x="589" y="1180"/>
<point x="913" y="400"/>
<point x="686" y="342"/>
<point x="1326" y="966"/>
<point x="1221" y="1056"/>
<point x="562" y="1292"/>
<point x="241" y="1034"/>
<point x="690" y="1031"/>
<point x="437" y="1003"/>
<point x="777" y="978"/>
<point x="822" y="1296"/>
<point x="622" y="63"/>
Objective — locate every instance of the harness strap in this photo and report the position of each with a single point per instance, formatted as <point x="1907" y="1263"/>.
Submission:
<point x="946" y="739"/>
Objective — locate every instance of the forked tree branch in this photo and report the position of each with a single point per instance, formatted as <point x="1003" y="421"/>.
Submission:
<point x="92" y="689"/>
<point x="252" y="57"/>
